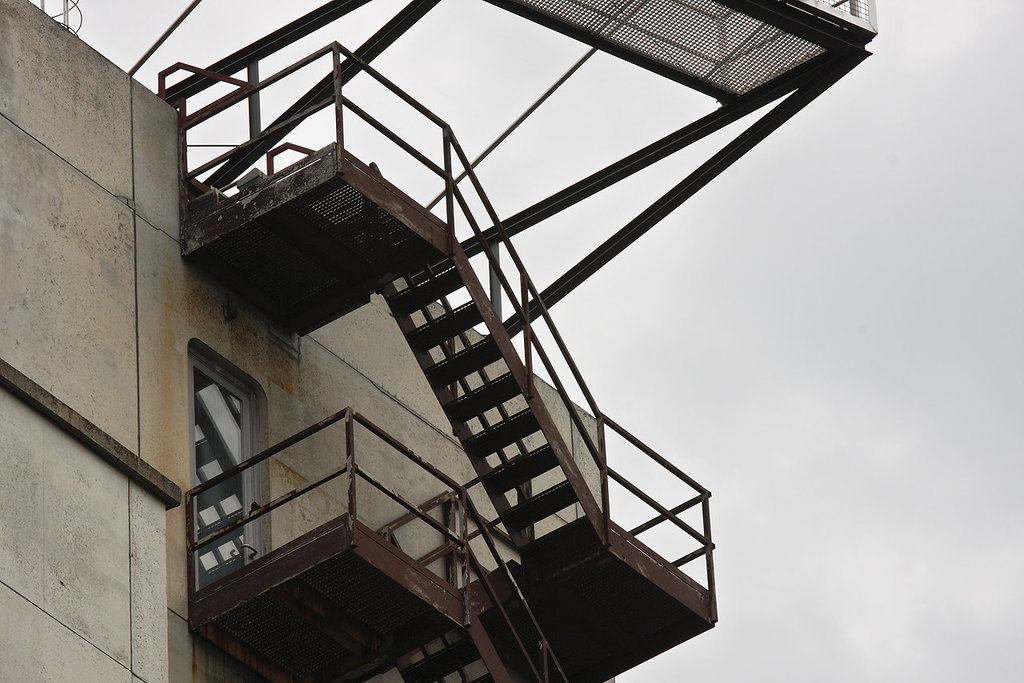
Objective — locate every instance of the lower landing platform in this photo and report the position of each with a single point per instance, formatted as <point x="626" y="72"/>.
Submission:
<point x="610" y="607"/>
<point x="335" y="601"/>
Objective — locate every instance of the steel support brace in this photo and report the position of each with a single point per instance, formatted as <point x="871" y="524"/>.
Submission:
<point x="652" y="153"/>
<point x="265" y="46"/>
<point x="368" y="51"/>
<point x="675" y="197"/>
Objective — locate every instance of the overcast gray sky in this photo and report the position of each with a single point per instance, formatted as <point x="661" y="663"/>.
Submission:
<point x="830" y="336"/>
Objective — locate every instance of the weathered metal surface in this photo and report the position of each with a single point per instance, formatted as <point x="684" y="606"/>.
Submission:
<point x="296" y="247"/>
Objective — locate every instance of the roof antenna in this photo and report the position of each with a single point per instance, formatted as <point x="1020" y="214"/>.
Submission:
<point x="64" y="16"/>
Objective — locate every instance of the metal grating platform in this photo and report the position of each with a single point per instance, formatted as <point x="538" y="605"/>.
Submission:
<point x="705" y="40"/>
<point x="605" y="609"/>
<point x="311" y="243"/>
<point x="333" y="600"/>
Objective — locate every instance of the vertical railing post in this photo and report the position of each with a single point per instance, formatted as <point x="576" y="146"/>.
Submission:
<point x="705" y="508"/>
<point x="350" y="453"/>
<point x="495" y="282"/>
<point x="464" y="552"/>
<point x="449" y="188"/>
<point x="253" y="76"/>
<point x="183" y="161"/>
<point x="190" y="542"/>
<point x="527" y="331"/>
<point x="338" y="104"/>
<point x="602" y="454"/>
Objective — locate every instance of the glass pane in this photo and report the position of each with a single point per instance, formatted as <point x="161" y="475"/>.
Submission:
<point x="218" y="446"/>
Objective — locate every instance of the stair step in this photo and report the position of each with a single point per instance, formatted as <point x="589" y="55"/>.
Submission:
<point x="502" y="434"/>
<point x="544" y="504"/>
<point x="441" y="663"/>
<point x="486" y="678"/>
<point x="520" y="470"/>
<point x="483" y="398"/>
<point x="446" y="326"/>
<point x="425" y="293"/>
<point x="476" y="357"/>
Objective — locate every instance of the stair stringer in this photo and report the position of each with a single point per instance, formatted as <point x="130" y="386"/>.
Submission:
<point x="496" y="328"/>
<point x="536" y="405"/>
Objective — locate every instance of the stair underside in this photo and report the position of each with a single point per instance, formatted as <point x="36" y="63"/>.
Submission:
<point x="606" y="609"/>
<point x="332" y="601"/>
<point x="313" y="241"/>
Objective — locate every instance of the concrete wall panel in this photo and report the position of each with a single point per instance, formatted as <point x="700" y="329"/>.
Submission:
<point x="65" y="94"/>
<point x="155" y="155"/>
<point x="66" y="289"/>
<point x="148" y="586"/>
<point x="63" y="529"/>
<point x="39" y="648"/>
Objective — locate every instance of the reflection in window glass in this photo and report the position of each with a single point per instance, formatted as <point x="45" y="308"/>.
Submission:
<point x="221" y="421"/>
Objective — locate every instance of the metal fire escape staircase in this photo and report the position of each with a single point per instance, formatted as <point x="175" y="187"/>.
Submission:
<point x="569" y="594"/>
<point x="308" y="243"/>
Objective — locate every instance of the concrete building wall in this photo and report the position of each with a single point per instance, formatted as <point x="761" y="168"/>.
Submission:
<point x="82" y="569"/>
<point x="98" y="314"/>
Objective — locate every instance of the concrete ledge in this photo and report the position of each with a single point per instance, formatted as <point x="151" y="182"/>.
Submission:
<point x="90" y="435"/>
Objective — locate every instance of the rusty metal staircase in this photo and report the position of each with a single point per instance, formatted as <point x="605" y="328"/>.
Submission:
<point x="476" y="379"/>
<point x="309" y="243"/>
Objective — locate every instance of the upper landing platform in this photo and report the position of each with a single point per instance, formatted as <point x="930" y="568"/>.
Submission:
<point x="724" y="48"/>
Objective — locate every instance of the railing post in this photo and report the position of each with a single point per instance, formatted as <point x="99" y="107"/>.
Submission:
<point x="183" y="161"/>
<point x="190" y="541"/>
<point x="449" y="188"/>
<point x="602" y="454"/>
<point x="464" y="552"/>
<point x="350" y="452"/>
<point x="705" y="509"/>
<point x="339" y="127"/>
<point x="527" y="331"/>
<point x="255" y="124"/>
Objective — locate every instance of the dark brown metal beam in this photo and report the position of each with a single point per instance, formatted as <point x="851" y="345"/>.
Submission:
<point x="689" y="186"/>
<point x="652" y="153"/>
<point x="368" y="51"/>
<point x="265" y="46"/>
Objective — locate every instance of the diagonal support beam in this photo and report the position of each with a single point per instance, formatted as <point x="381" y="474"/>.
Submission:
<point x="265" y="46"/>
<point x="689" y="186"/>
<point x="653" y="153"/>
<point x="368" y="51"/>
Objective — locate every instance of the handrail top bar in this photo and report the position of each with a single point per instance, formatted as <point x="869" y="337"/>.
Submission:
<point x="248" y="89"/>
<point x="269" y="452"/>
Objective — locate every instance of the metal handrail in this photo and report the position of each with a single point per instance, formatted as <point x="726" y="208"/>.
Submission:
<point x="525" y="297"/>
<point x="456" y="543"/>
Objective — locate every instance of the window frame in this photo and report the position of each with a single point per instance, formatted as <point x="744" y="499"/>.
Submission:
<point x="253" y="485"/>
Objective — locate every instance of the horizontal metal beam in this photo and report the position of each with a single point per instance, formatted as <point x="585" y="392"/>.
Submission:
<point x="799" y="20"/>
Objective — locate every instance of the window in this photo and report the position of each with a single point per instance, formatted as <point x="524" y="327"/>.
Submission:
<point x="223" y="433"/>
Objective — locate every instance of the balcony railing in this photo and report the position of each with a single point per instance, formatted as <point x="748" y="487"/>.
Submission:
<point x="363" y="457"/>
<point x="530" y="324"/>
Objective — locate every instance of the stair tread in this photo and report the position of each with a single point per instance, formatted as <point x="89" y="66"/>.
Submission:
<point x="446" y="327"/>
<point x="521" y="469"/>
<point x="501" y="434"/>
<point x="483" y="398"/>
<point x="465" y="362"/>
<point x="443" y="662"/>
<point x="541" y="505"/>
<point x="425" y="293"/>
